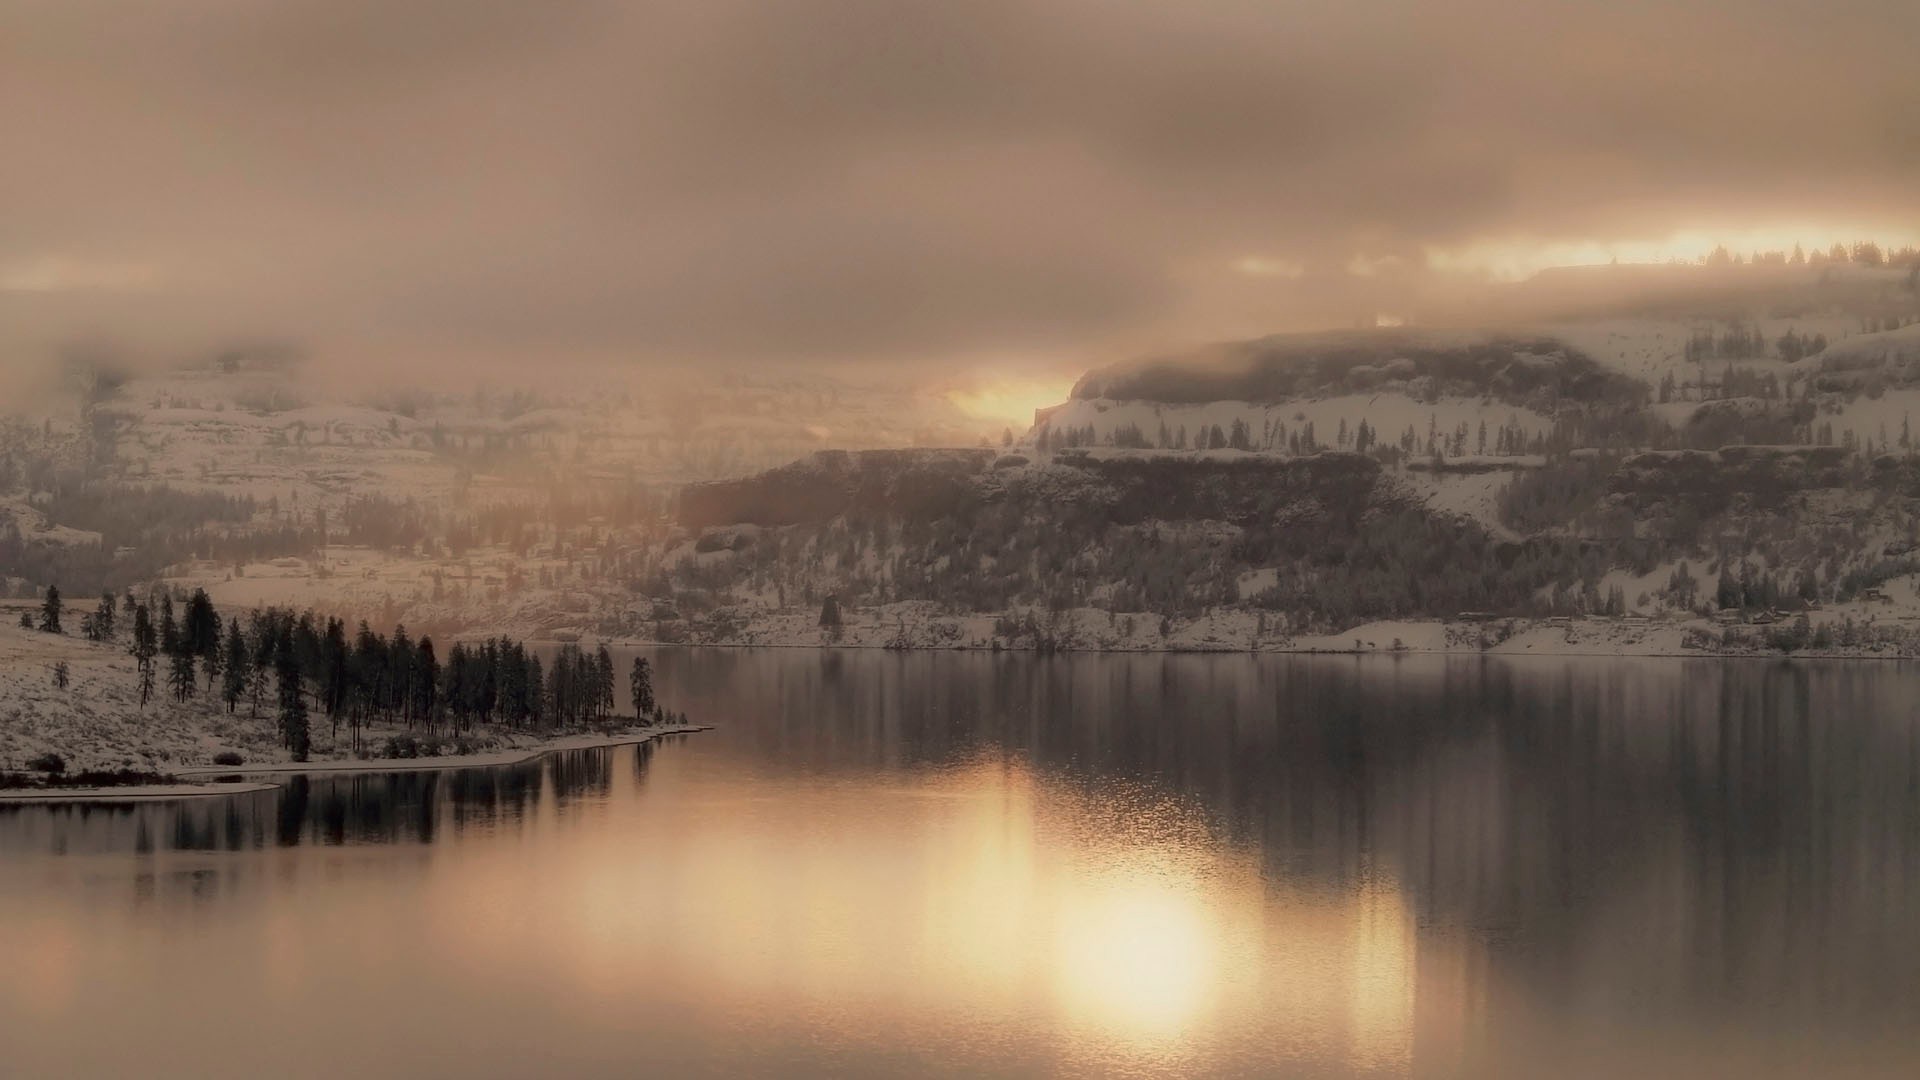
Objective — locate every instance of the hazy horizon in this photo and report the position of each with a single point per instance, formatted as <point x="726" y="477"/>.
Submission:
<point x="994" y="191"/>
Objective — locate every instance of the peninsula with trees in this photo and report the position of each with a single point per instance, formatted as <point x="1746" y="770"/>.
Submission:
<point x="132" y="688"/>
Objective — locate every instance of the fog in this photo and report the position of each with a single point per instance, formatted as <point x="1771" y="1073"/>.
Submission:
<point x="1007" y="184"/>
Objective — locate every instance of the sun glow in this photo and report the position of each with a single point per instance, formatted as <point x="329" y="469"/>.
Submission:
<point x="1138" y="956"/>
<point x="1010" y="401"/>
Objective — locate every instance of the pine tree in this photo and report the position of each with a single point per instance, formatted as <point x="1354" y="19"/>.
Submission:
<point x="511" y="682"/>
<point x="293" y="704"/>
<point x="180" y="675"/>
<point x="640" y="682"/>
<point x="426" y="681"/>
<point x="1728" y="593"/>
<point x="169" y="630"/>
<point x="333" y="661"/>
<point x="238" y="667"/>
<point x="103" y="617"/>
<point x="50" y="611"/>
<point x="453" y="684"/>
<point x="537" y="715"/>
<point x="400" y="674"/>
<point x="603" y="682"/>
<point x="145" y="648"/>
<point x="261" y="669"/>
<point x="201" y="631"/>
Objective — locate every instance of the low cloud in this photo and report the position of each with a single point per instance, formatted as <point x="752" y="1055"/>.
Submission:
<point x="885" y="182"/>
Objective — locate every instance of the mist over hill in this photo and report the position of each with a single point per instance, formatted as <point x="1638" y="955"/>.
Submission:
<point x="1752" y="456"/>
<point x="1740" y="444"/>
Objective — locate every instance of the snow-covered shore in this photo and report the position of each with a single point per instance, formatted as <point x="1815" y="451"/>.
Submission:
<point x="1875" y="632"/>
<point x="515" y="755"/>
<point x="253" y="778"/>
<point x="141" y="793"/>
<point x="96" y="723"/>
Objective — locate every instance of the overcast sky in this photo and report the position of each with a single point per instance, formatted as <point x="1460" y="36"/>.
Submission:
<point x="813" y="181"/>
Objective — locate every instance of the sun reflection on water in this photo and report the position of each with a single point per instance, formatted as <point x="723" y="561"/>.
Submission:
<point x="1154" y="937"/>
<point x="1136" y="956"/>
<point x="1102" y="930"/>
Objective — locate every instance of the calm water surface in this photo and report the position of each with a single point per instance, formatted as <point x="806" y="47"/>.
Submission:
<point x="972" y="864"/>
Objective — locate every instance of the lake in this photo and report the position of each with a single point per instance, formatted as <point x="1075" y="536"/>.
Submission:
<point x="973" y="864"/>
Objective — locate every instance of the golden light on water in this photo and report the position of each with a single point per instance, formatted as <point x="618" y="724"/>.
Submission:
<point x="1136" y="955"/>
<point x="994" y="894"/>
<point x="986" y="905"/>
<point x="989" y="893"/>
<point x="1384" y="978"/>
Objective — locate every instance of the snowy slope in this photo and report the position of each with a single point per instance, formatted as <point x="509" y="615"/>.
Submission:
<point x="1270" y="425"/>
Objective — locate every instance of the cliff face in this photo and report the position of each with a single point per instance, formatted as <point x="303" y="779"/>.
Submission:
<point x="1241" y="490"/>
<point x="913" y="483"/>
<point x="953" y="484"/>
<point x="1517" y="370"/>
<point x="1751" y="470"/>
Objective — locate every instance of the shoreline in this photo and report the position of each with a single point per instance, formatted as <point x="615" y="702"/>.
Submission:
<point x="182" y="791"/>
<point x="1272" y="650"/>
<point x="129" y="794"/>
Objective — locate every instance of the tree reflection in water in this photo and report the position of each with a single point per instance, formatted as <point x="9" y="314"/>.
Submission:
<point x="326" y="809"/>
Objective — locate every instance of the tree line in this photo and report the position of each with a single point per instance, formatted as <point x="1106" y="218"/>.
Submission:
<point x="298" y="663"/>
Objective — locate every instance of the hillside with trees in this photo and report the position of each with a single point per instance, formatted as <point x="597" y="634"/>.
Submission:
<point x="1752" y="420"/>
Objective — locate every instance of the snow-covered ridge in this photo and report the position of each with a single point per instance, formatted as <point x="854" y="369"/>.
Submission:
<point x="1460" y="426"/>
<point x="1425" y="364"/>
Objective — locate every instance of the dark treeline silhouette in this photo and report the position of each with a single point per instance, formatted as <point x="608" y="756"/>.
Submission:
<point x="360" y="679"/>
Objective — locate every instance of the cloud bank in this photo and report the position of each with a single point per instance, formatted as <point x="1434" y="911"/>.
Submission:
<point x="888" y="181"/>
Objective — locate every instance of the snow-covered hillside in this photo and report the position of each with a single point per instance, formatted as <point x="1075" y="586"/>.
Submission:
<point x="1283" y="427"/>
<point x="272" y="435"/>
<point x="1540" y="470"/>
<point x="96" y="720"/>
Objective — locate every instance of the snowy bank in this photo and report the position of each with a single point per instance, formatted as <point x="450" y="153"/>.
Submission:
<point x="487" y="759"/>
<point x="141" y="793"/>
<point x="175" y="791"/>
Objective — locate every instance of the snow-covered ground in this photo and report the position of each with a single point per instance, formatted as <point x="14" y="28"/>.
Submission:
<point x="234" y="781"/>
<point x="511" y="755"/>
<point x="140" y="793"/>
<point x="97" y="723"/>
<point x="1650" y="349"/>
<point x="1887" y="624"/>
<point x="1474" y="496"/>
<point x="1897" y="347"/>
